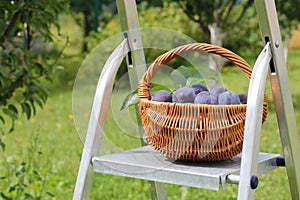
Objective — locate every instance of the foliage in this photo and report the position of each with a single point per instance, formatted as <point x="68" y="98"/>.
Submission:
<point x="180" y="77"/>
<point x="168" y="17"/>
<point x="245" y="38"/>
<point x="64" y="145"/>
<point x="56" y="125"/>
<point x="25" y="176"/>
<point x="22" y="24"/>
<point x="221" y="13"/>
<point x="288" y="14"/>
<point x="238" y="21"/>
<point x="133" y="99"/>
<point x="96" y="15"/>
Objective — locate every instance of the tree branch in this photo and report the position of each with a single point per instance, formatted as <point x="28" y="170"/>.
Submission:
<point x="245" y="7"/>
<point x="219" y="12"/>
<point x="190" y="15"/>
<point x="229" y="11"/>
<point x="9" y="28"/>
<point x="27" y="36"/>
<point x="223" y="6"/>
<point x="186" y="11"/>
<point x="60" y="52"/>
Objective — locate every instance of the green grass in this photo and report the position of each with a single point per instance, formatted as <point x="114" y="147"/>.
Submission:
<point x="61" y="142"/>
<point x="61" y="145"/>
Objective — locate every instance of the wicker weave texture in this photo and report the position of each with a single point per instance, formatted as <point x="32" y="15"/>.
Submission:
<point x="193" y="132"/>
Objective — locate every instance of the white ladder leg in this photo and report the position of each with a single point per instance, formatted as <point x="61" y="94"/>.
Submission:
<point x="97" y="121"/>
<point x="248" y="174"/>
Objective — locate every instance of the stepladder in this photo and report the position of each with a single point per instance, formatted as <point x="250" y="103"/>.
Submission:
<point x="145" y="163"/>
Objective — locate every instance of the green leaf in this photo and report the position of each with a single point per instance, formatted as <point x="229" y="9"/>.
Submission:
<point x="12" y="128"/>
<point x="180" y="75"/>
<point x="33" y="106"/>
<point x="192" y="80"/>
<point x="50" y="194"/>
<point x="157" y="87"/>
<point x="131" y="99"/>
<point x="3" y="72"/>
<point x="12" y="188"/>
<point x="4" y="196"/>
<point x="39" y="69"/>
<point x="2" y="145"/>
<point x="43" y="94"/>
<point x="28" y="196"/>
<point x="186" y="76"/>
<point x="2" y="119"/>
<point x="26" y="109"/>
<point x="10" y="113"/>
<point x="13" y="108"/>
<point x="38" y="101"/>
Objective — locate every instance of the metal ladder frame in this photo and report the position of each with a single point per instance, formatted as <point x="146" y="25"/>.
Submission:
<point x="270" y="31"/>
<point x="136" y="65"/>
<point x="269" y="27"/>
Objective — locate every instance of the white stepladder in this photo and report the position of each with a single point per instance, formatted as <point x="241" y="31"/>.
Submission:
<point x="145" y="163"/>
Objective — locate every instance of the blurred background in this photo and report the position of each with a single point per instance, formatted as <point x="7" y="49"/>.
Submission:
<point x="42" y="46"/>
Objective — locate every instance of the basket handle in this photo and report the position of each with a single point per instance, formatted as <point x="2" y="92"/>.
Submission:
<point x="145" y="83"/>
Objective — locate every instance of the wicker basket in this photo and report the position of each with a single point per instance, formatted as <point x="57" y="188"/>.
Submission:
<point x="193" y="132"/>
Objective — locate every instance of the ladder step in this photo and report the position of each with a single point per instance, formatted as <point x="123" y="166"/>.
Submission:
<point x="145" y="163"/>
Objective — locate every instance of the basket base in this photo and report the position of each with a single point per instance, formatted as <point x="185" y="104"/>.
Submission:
<point x="193" y="152"/>
<point x="193" y="156"/>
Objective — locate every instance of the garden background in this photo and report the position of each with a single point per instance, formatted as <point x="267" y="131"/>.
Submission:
<point x="41" y="147"/>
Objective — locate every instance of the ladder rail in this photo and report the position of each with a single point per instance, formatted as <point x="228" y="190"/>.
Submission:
<point x="136" y="65"/>
<point x="268" y="22"/>
<point x="97" y="121"/>
<point x="253" y="124"/>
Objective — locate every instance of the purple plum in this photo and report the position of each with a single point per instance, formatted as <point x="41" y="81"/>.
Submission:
<point x="162" y="96"/>
<point x="184" y="95"/>
<point x="228" y="98"/>
<point x="217" y="89"/>
<point x="198" y="87"/>
<point x="205" y="97"/>
<point x="243" y="98"/>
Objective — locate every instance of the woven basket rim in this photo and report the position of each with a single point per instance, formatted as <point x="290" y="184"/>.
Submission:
<point x="145" y="82"/>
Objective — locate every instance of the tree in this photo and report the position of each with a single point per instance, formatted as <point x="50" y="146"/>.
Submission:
<point x="22" y="72"/>
<point x="95" y="13"/>
<point x="216" y="19"/>
<point x="289" y="18"/>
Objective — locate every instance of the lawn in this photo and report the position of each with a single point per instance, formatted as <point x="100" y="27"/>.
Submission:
<point x="60" y="147"/>
<point x="49" y="166"/>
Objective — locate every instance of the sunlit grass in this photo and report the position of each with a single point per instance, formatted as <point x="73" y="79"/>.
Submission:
<point x="62" y="140"/>
<point x="62" y="146"/>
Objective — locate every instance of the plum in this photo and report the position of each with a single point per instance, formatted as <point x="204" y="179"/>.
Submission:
<point x="198" y="87"/>
<point x="228" y="98"/>
<point x="243" y="98"/>
<point x="162" y="96"/>
<point x="184" y="95"/>
<point x="205" y="97"/>
<point x="217" y="89"/>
